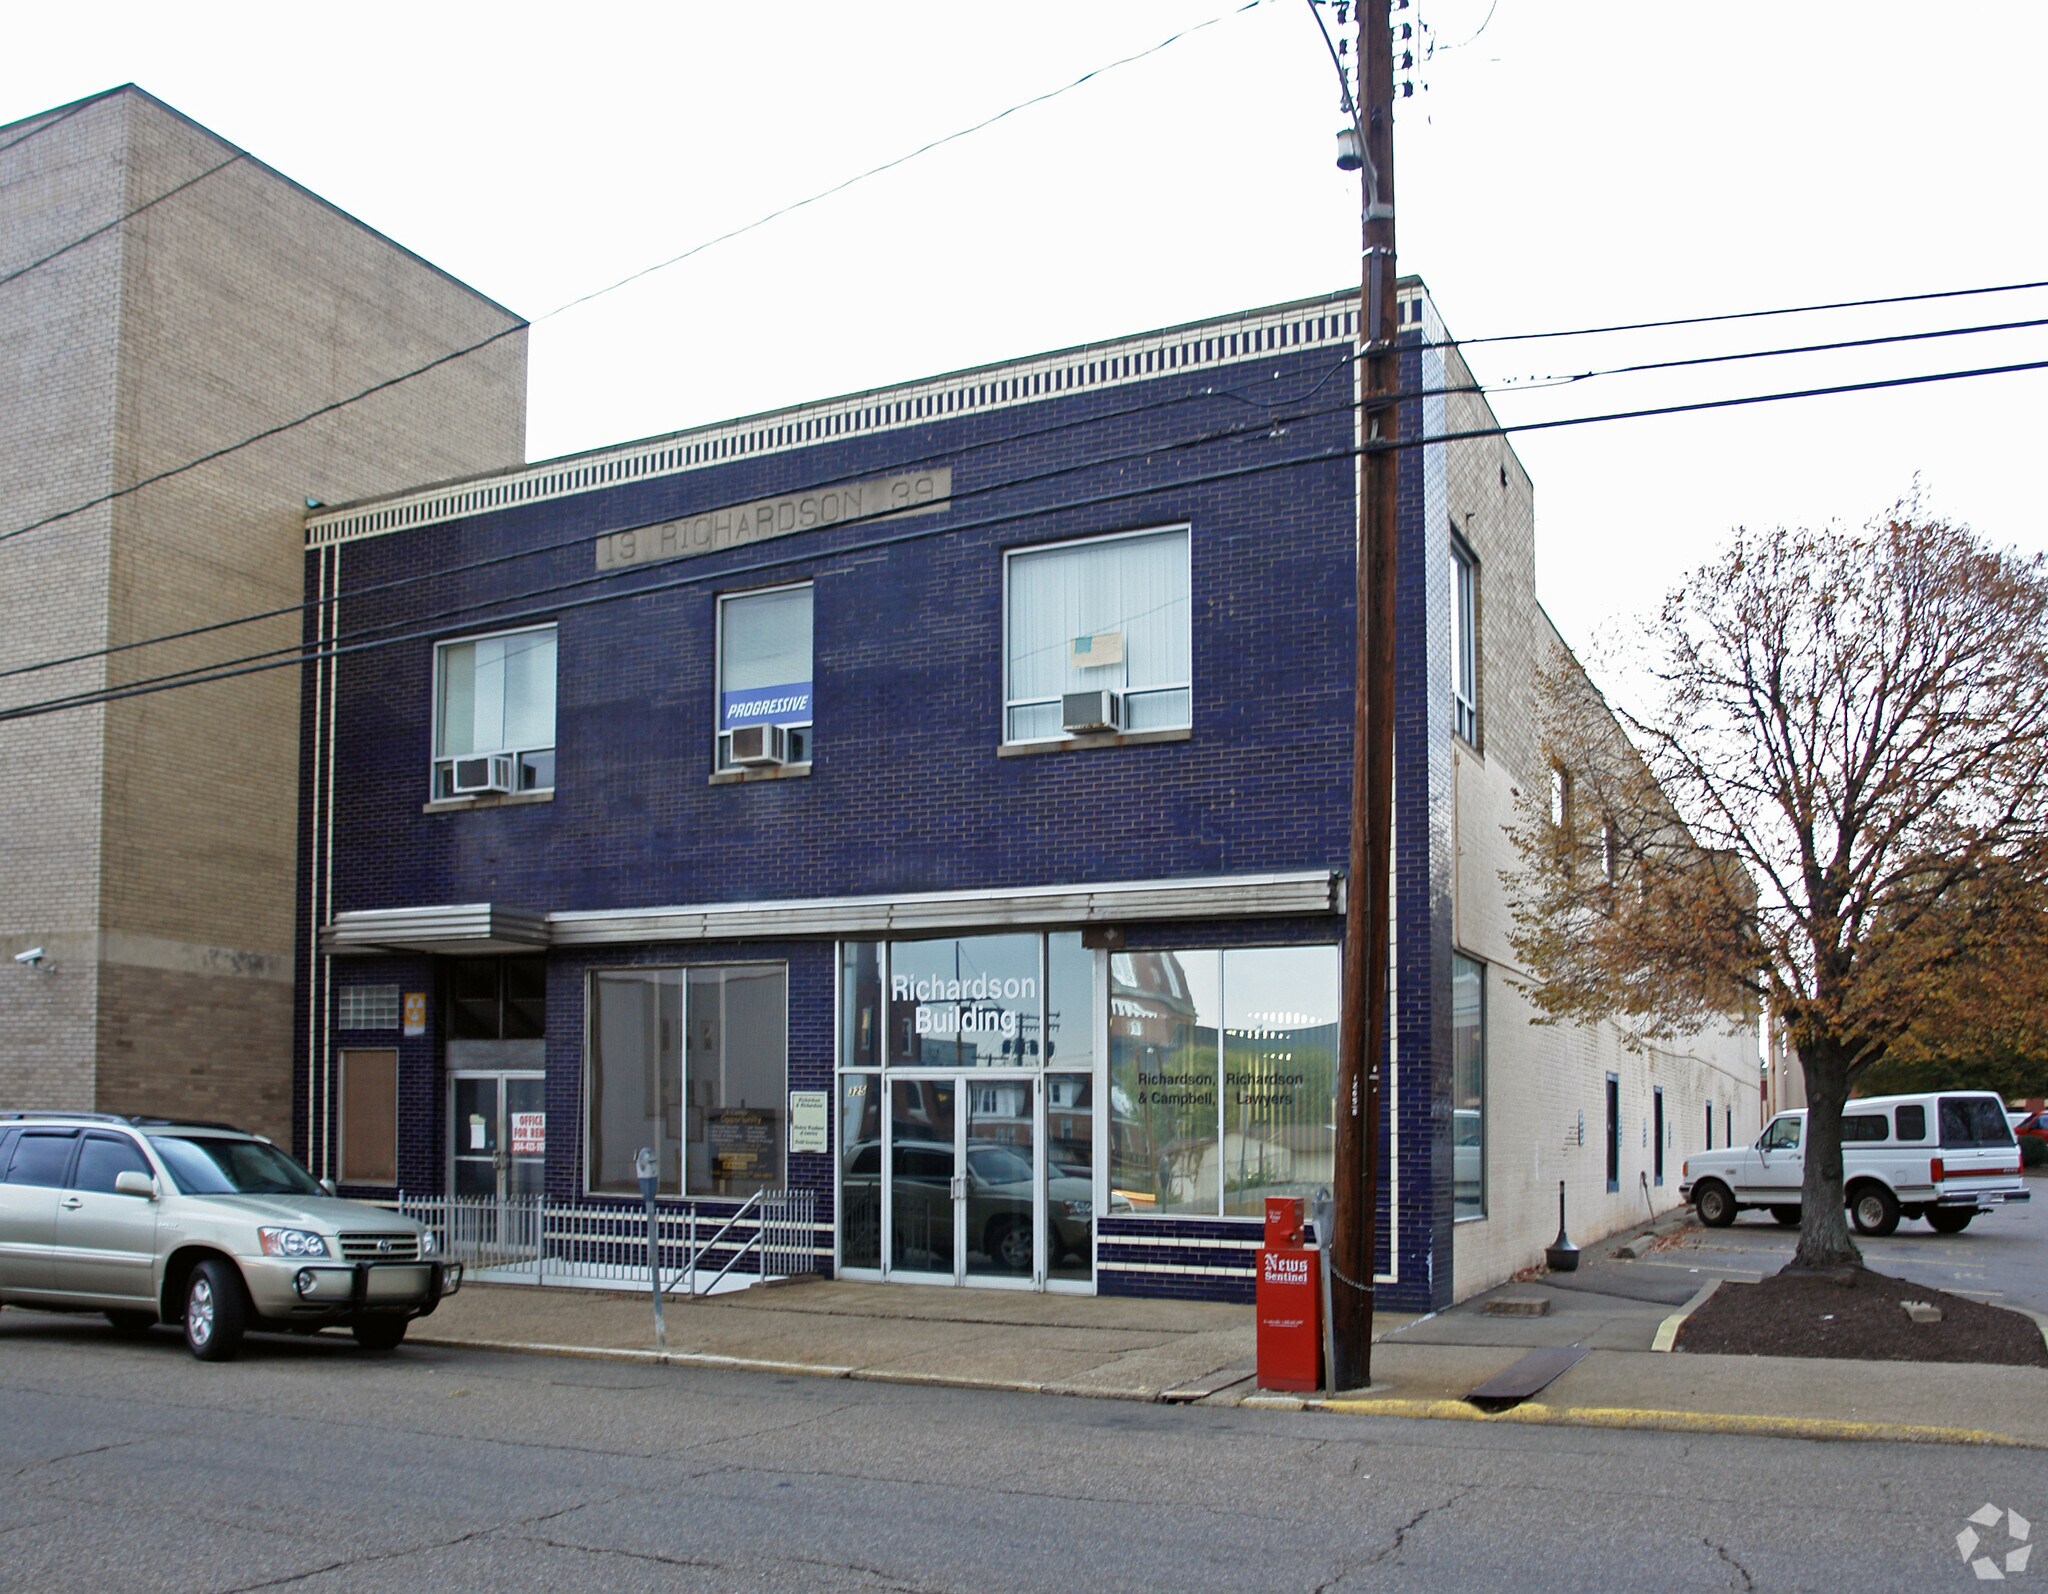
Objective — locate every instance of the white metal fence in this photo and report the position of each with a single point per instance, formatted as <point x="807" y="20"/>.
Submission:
<point x="536" y="1239"/>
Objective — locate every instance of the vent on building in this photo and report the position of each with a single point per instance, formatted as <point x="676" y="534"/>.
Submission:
<point x="490" y="772"/>
<point x="1092" y="711"/>
<point x="760" y="745"/>
<point x="369" y="1007"/>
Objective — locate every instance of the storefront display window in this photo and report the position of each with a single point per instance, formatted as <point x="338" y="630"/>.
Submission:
<point x="721" y="1032"/>
<point x="1222" y="1077"/>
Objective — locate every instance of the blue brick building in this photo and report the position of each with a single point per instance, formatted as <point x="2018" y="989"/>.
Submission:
<point x="934" y="798"/>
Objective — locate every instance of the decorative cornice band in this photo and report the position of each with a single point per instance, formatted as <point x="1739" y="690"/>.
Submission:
<point x="1224" y="340"/>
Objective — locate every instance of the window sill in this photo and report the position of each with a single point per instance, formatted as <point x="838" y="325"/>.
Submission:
<point x="505" y="799"/>
<point x="1082" y="744"/>
<point x="740" y="777"/>
<point x="1470" y="1217"/>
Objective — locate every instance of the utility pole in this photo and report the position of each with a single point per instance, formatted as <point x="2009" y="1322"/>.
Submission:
<point x="1362" y="1023"/>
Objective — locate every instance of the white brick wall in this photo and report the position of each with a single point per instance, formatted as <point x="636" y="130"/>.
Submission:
<point x="1541" y="1079"/>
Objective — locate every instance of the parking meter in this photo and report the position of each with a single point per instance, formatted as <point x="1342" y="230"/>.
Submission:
<point x="649" y="1171"/>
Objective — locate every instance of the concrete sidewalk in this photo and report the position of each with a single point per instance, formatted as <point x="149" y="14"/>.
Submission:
<point x="1181" y="1351"/>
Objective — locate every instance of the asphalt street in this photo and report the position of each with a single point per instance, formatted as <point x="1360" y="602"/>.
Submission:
<point x="311" y="1466"/>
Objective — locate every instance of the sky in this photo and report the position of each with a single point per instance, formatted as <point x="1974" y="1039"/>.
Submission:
<point x="1558" y="167"/>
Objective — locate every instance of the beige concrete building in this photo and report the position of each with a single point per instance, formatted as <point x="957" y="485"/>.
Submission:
<point x="165" y="298"/>
<point x="1550" y="1100"/>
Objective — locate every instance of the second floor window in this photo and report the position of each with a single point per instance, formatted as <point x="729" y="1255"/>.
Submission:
<point x="764" y="678"/>
<point x="494" y="714"/>
<point x="1103" y="622"/>
<point x="1464" y="643"/>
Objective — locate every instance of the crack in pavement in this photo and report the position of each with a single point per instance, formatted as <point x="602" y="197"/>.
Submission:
<point x="999" y="1490"/>
<point x="1748" y="1584"/>
<point x="358" y="1560"/>
<point x="779" y="1427"/>
<point x="426" y="1549"/>
<point x="888" y="1580"/>
<point x="73" y="1455"/>
<point x="629" y="1555"/>
<point x="1393" y="1546"/>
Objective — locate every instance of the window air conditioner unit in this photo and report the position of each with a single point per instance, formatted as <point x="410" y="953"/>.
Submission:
<point x="1092" y="711"/>
<point x="485" y="773"/>
<point x="760" y="746"/>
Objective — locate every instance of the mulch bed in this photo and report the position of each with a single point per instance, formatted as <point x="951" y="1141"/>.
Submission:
<point x="1854" y="1314"/>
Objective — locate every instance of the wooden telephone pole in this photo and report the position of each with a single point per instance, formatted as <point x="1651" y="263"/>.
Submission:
<point x="1363" y="1019"/>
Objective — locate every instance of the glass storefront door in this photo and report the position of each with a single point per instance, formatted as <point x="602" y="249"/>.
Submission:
<point x="967" y="1082"/>
<point x="999" y="1168"/>
<point x="958" y="1203"/>
<point x="498" y="1124"/>
<point x="921" y="1149"/>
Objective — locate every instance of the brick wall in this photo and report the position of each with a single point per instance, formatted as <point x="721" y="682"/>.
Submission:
<point x="168" y="821"/>
<point x="1543" y="1080"/>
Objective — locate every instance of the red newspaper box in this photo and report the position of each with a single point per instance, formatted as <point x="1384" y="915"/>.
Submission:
<point x="1283" y="1220"/>
<point x="1290" y="1303"/>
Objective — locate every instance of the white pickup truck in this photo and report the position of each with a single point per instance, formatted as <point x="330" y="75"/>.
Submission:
<point x="1944" y="1156"/>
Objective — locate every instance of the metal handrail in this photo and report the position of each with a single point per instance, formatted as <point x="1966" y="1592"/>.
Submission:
<point x="695" y="1252"/>
<point x="760" y="1239"/>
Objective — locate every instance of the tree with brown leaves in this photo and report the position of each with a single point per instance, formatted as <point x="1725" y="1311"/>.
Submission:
<point x="1834" y="803"/>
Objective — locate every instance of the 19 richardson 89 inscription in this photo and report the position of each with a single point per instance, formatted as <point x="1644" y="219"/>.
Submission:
<point x="737" y="525"/>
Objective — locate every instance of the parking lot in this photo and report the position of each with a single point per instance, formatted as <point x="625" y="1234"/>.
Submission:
<point x="2001" y="1258"/>
<point x="1618" y="1301"/>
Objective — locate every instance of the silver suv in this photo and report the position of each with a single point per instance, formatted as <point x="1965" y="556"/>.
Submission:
<point x="152" y="1220"/>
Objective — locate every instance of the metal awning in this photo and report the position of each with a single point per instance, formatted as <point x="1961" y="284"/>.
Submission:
<point x="480" y="927"/>
<point x="471" y="928"/>
<point x="1312" y="892"/>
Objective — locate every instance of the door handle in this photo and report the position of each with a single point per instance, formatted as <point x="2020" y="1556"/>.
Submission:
<point x="71" y="1203"/>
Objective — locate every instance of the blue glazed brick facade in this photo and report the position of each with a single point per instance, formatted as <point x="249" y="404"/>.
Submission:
<point x="907" y="793"/>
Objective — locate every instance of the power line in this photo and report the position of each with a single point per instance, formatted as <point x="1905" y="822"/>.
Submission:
<point x="257" y="437"/>
<point x="1028" y="434"/>
<point x="378" y="387"/>
<point x="890" y="165"/>
<point x="434" y="631"/>
<point x="1474" y="39"/>
<point x="126" y="216"/>
<point x="1240" y="433"/>
<point x="649" y="589"/>
<point x="1712" y="404"/>
<point x="1533" y="384"/>
<point x="68" y="112"/>
<point x="900" y="463"/>
<point x="326" y="409"/>
<point x="1740" y="315"/>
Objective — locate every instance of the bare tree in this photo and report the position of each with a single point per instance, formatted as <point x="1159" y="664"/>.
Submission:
<point x="1835" y="804"/>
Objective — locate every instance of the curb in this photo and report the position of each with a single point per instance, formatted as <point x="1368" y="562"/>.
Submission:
<point x="1741" y="1423"/>
<point x="750" y="1364"/>
<point x="1667" y="1331"/>
<point x="1755" y="1425"/>
<point x="658" y="1358"/>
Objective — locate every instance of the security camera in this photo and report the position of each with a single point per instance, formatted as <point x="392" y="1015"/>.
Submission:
<point x="31" y="957"/>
